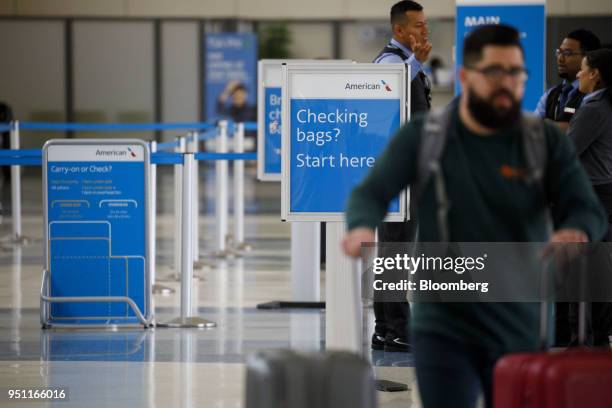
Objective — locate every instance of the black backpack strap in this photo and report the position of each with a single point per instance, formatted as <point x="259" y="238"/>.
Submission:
<point x="535" y="148"/>
<point x="391" y="49"/>
<point x="433" y="140"/>
<point x="551" y="102"/>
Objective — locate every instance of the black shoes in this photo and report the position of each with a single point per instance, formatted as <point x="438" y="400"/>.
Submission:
<point x="397" y="345"/>
<point x="378" y="342"/>
<point x="390" y="344"/>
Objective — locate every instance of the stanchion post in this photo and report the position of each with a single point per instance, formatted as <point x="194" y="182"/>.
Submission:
<point x="156" y="288"/>
<point x="178" y="179"/>
<point x="194" y="148"/>
<point x="187" y="237"/>
<point x="15" y="186"/>
<point x="239" y="190"/>
<point x="221" y="202"/>
<point x="187" y="320"/>
<point x="152" y="214"/>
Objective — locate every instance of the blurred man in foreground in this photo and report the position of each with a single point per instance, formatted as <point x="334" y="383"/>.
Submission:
<point x="493" y="196"/>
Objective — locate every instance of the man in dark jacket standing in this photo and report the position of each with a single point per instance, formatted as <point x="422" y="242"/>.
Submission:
<point x="410" y="46"/>
<point x="560" y="102"/>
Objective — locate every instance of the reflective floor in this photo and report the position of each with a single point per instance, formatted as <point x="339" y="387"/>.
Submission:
<point x="167" y="367"/>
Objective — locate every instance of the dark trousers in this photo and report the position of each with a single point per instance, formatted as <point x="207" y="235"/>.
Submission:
<point x="392" y="317"/>
<point x="450" y="373"/>
<point x="598" y="314"/>
<point x="604" y="193"/>
<point x="601" y="312"/>
<point x="598" y="324"/>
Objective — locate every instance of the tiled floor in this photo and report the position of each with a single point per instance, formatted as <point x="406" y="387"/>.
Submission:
<point x="167" y="367"/>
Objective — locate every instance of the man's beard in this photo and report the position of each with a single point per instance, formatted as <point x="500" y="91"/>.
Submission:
<point x="488" y="115"/>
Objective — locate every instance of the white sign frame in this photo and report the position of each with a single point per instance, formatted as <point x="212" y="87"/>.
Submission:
<point x="339" y="68"/>
<point x="269" y="74"/>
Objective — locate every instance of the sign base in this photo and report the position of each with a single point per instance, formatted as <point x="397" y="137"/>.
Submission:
<point x="188" y="322"/>
<point x="281" y="304"/>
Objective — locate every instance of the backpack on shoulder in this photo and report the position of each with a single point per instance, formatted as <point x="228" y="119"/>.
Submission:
<point x="436" y="131"/>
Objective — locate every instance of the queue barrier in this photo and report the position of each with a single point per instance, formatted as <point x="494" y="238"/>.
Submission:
<point x="33" y="157"/>
<point x="16" y="126"/>
<point x="23" y="157"/>
<point x="210" y="131"/>
<point x="201" y="136"/>
<point x="113" y="127"/>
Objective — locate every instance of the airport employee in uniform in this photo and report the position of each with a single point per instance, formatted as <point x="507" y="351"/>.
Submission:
<point x="409" y="46"/>
<point x="560" y="102"/>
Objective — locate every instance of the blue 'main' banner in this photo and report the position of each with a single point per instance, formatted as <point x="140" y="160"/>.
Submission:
<point x="528" y="19"/>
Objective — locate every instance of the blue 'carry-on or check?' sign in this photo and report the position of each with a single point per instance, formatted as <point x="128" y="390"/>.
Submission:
<point x="95" y="232"/>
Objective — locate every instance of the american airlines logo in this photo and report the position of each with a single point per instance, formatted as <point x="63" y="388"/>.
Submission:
<point x="115" y="153"/>
<point x="358" y="87"/>
<point x="367" y="86"/>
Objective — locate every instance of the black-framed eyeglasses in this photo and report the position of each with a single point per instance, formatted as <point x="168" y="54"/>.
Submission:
<point x="566" y="53"/>
<point x="497" y="72"/>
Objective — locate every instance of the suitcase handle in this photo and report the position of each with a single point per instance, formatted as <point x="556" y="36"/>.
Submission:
<point x="545" y="308"/>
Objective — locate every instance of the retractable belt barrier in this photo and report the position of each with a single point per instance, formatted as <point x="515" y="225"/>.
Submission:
<point x="17" y="158"/>
<point x="183" y="153"/>
<point x="33" y="157"/>
<point x="117" y="127"/>
<point x="23" y="157"/>
<point x="113" y="127"/>
<point x="203" y="136"/>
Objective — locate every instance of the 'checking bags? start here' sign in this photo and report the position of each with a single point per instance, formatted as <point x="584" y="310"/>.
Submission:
<point x="340" y="118"/>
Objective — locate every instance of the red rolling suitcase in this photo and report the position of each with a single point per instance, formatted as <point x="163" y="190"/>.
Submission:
<point x="567" y="379"/>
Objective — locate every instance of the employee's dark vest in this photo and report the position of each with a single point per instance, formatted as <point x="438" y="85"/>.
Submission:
<point x="420" y="88"/>
<point x="558" y="113"/>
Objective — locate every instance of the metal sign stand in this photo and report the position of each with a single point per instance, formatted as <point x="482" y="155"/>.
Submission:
<point x="323" y="158"/>
<point x="305" y="269"/>
<point x="343" y="315"/>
